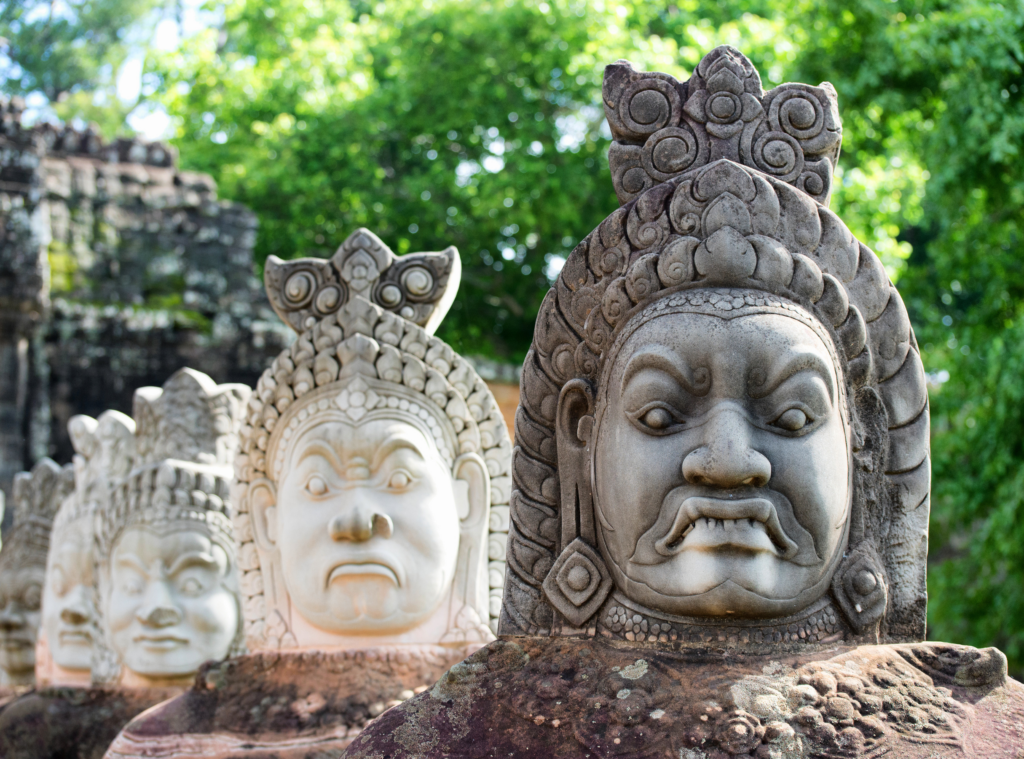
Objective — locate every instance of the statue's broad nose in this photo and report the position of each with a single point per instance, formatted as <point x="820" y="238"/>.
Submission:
<point x="726" y="458"/>
<point x="359" y="524"/>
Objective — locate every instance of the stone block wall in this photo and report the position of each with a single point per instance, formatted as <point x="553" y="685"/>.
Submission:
<point x="116" y="269"/>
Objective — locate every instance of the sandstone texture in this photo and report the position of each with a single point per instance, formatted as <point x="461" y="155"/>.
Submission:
<point x="286" y="705"/>
<point x="558" y="697"/>
<point x="70" y="723"/>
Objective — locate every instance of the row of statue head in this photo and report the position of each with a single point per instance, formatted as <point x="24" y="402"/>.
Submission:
<point x="723" y="429"/>
<point x="370" y="491"/>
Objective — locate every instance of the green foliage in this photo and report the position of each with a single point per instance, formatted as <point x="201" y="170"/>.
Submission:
<point x="59" y="47"/>
<point x="938" y="84"/>
<point x="466" y="123"/>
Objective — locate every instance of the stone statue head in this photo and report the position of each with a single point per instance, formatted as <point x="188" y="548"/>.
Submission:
<point x="167" y="569"/>
<point x="104" y="452"/>
<point x="373" y="462"/>
<point x="724" y="427"/>
<point x="37" y="495"/>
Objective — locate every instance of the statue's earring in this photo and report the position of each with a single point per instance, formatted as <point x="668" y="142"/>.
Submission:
<point x="860" y="588"/>
<point x="578" y="582"/>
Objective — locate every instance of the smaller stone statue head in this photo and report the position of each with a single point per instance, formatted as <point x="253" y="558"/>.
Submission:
<point x="167" y="572"/>
<point x="37" y="495"/>
<point x="370" y="461"/>
<point x="104" y="452"/>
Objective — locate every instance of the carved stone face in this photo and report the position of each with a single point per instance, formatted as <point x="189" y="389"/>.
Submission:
<point x="722" y="465"/>
<point x="20" y="597"/>
<point x="169" y="606"/>
<point x="69" y="615"/>
<point x="367" y="524"/>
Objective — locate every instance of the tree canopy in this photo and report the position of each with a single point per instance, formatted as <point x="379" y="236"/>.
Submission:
<point x="478" y="123"/>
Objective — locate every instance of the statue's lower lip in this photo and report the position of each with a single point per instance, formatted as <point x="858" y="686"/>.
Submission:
<point x="75" y="636"/>
<point x="162" y="642"/>
<point x="350" y="569"/>
<point x="14" y="643"/>
<point x="725" y="522"/>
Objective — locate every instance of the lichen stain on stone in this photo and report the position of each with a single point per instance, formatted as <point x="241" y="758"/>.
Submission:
<point x="634" y="671"/>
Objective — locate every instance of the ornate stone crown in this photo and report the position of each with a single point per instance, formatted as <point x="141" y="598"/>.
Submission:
<point x="365" y="320"/>
<point x="663" y="127"/>
<point x="104" y="455"/>
<point x="37" y="495"/>
<point x="722" y="231"/>
<point x="419" y="287"/>
<point x="185" y="436"/>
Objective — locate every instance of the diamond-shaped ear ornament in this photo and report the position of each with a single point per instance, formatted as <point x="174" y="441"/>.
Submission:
<point x="860" y="587"/>
<point x="578" y="582"/>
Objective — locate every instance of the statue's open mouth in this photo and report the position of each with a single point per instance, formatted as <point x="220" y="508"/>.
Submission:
<point x="747" y="524"/>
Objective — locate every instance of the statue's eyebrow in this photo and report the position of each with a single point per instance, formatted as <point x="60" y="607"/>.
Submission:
<point x="319" y="448"/>
<point x="396" y="442"/>
<point x="133" y="562"/>
<point x="194" y="559"/>
<point x="661" y="359"/>
<point x="786" y="366"/>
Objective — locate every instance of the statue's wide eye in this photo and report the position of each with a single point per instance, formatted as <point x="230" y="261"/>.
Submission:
<point x="316" y="485"/>
<point x="399" y="481"/>
<point x="793" y="420"/>
<point x="657" y="419"/>
<point x="191" y="586"/>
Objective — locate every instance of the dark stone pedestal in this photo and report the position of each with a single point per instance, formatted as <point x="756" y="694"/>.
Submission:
<point x="566" y="698"/>
<point x="71" y="723"/>
<point x="273" y="705"/>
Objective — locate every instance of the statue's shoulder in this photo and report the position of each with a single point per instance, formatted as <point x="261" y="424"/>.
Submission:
<point x="542" y="697"/>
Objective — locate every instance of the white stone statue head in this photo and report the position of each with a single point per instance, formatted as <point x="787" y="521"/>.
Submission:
<point x="371" y="462"/>
<point x="37" y="495"/>
<point x="104" y="452"/>
<point x="167" y="572"/>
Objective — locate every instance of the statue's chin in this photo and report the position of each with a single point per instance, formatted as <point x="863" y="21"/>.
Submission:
<point x="700" y="584"/>
<point x="370" y="606"/>
<point x="73" y="659"/>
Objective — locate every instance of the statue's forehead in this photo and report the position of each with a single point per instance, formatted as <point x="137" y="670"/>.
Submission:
<point x="167" y="540"/>
<point x="365" y="439"/>
<point x="368" y="433"/>
<point x="702" y="332"/>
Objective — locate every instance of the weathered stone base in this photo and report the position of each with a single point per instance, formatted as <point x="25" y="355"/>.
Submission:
<point x="283" y="705"/>
<point x="8" y="694"/>
<point x="558" y="697"/>
<point x="71" y="723"/>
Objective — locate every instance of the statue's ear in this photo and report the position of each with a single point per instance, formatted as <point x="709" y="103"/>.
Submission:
<point x="472" y="490"/>
<point x="578" y="556"/>
<point x="263" y="510"/>
<point x="472" y="499"/>
<point x="574" y="424"/>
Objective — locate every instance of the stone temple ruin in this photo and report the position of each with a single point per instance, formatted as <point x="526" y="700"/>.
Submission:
<point x="116" y="269"/>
